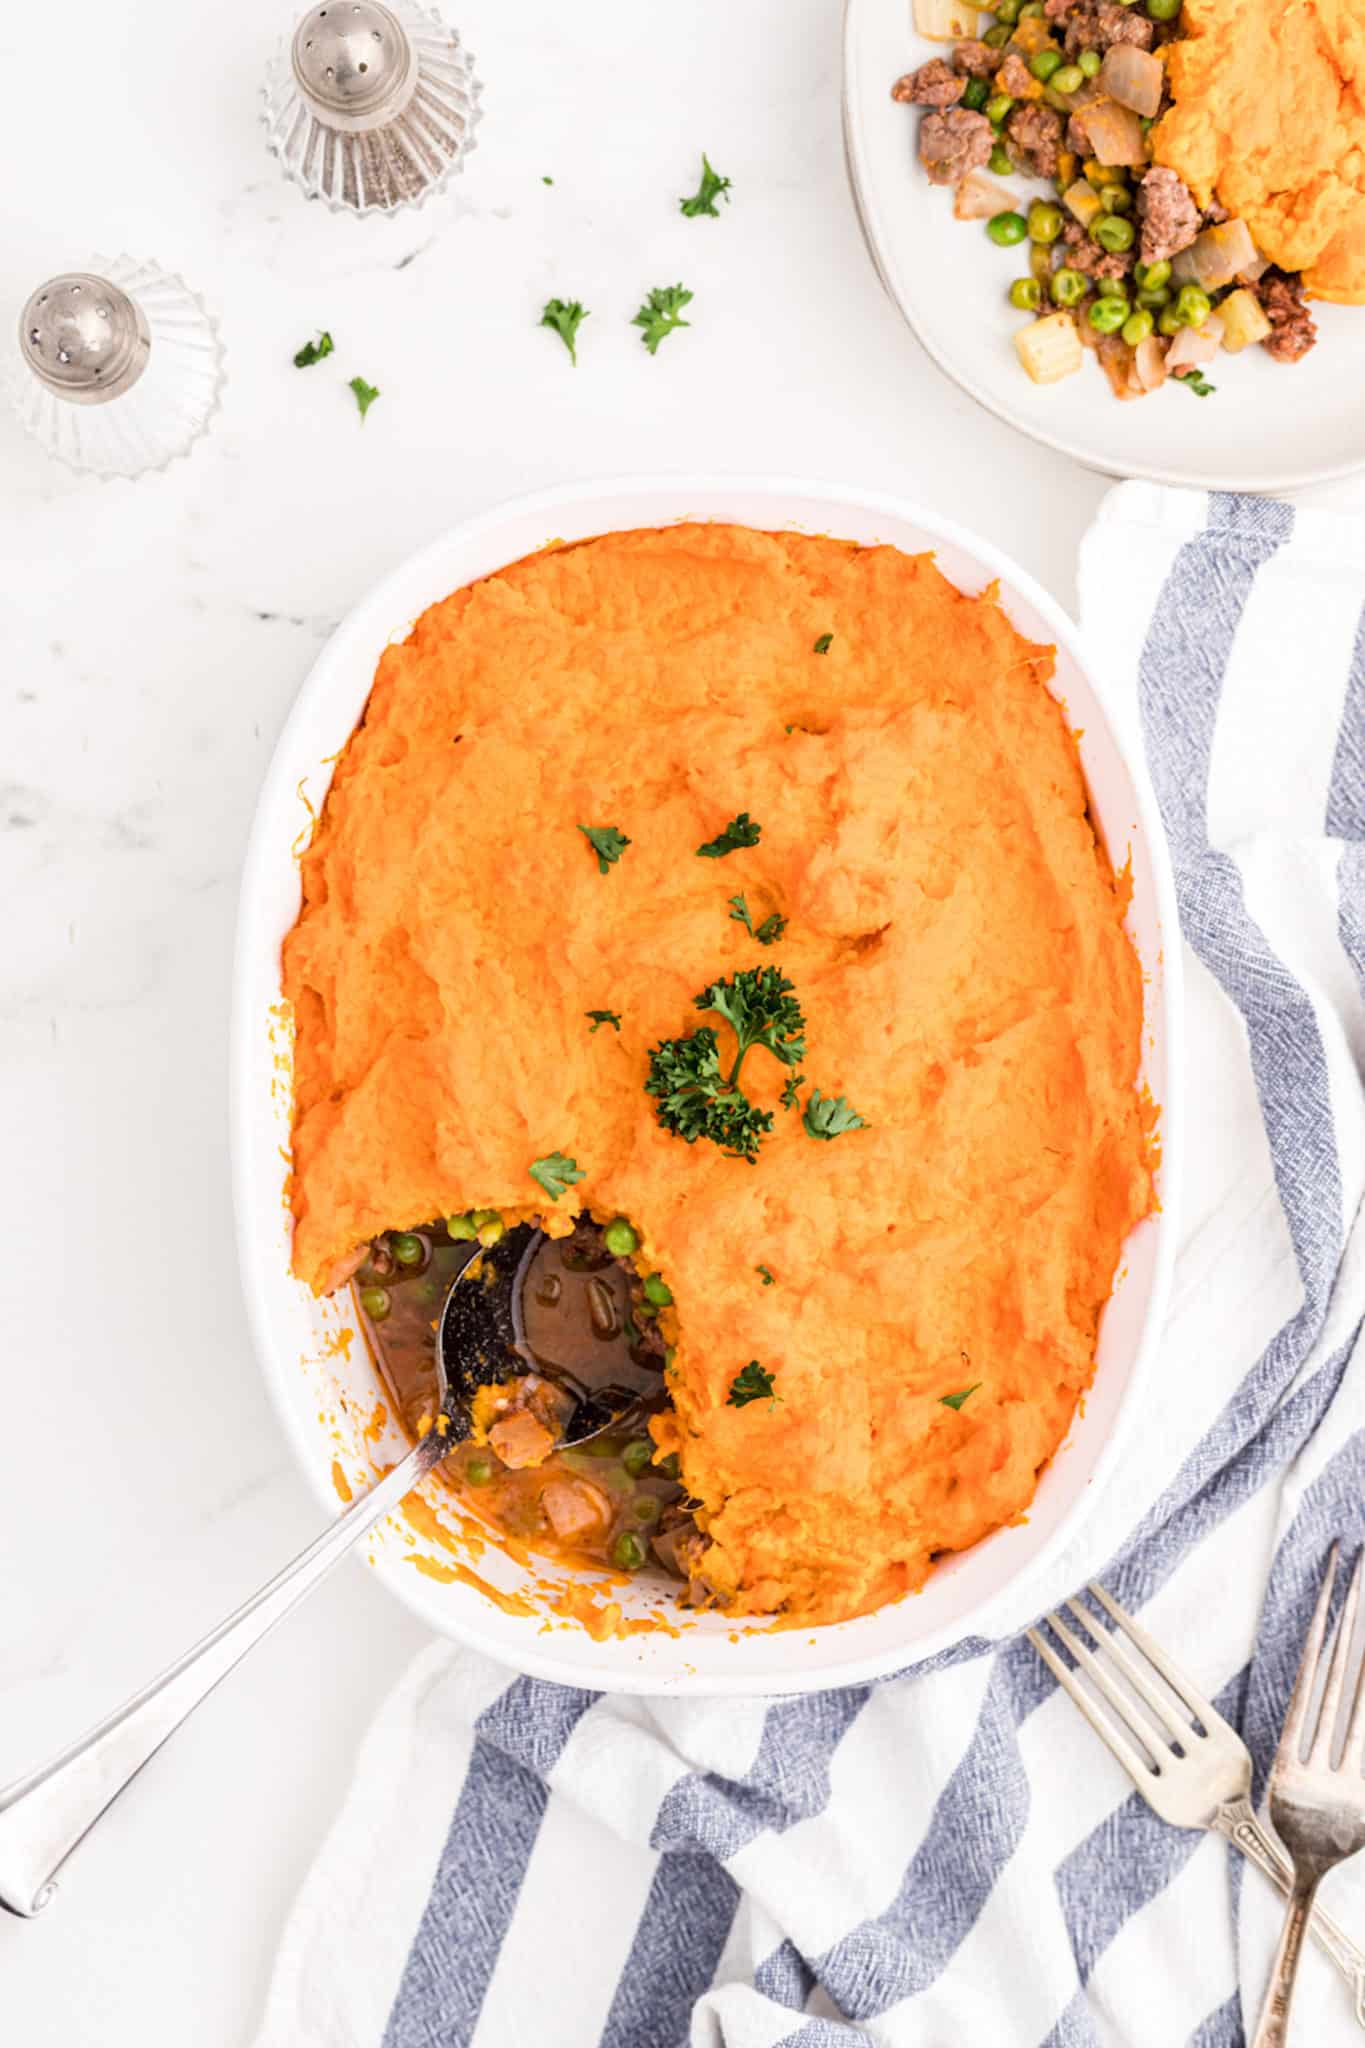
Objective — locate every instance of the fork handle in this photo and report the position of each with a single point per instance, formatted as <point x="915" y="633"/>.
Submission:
<point x="1273" y="2029"/>
<point x="1238" y="1822"/>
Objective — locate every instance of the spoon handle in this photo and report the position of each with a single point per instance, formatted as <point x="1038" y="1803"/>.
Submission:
<point x="44" y="1815"/>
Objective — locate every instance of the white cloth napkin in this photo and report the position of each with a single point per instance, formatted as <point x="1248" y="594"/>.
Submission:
<point x="951" y="1859"/>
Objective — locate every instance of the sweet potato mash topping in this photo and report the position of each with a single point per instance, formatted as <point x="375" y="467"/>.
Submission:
<point x="954" y="932"/>
<point x="1270" y="114"/>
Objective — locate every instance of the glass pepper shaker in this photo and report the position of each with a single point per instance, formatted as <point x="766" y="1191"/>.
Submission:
<point x="371" y="107"/>
<point x="119" y="367"/>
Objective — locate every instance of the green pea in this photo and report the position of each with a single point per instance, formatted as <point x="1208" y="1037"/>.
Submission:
<point x="1005" y="229"/>
<point x="1044" y="221"/>
<point x="1154" y="300"/>
<point x="1113" y="233"/>
<point x="1169" y="321"/>
<point x="375" y="1302"/>
<point x="1163" y="10"/>
<point x="637" y="1455"/>
<point x="997" y="108"/>
<point x="658" y="1291"/>
<point x="1137" y="327"/>
<point x="408" y="1248"/>
<point x="492" y="1233"/>
<point x="478" y="1470"/>
<point x="1044" y="62"/>
<point x="997" y="37"/>
<point x="1069" y="287"/>
<point x="1031" y="10"/>
<point x="669" y="1467"/>
<point x="1027" y="294"/>
<point x="483" y="1216"/>
<point x="1008" y="10"/>
<point x="1151" y="276"/>
<point x="975" y="94"/>
<point x="461" y="1227"/>
<point x="1069" y="79"/>
<point x="1107" y="315"/>
<point x="1116" y="199"/>
<point x="1193" y="305"/>
<point x="999" y="161"/>
<point x="1111" y="288"/>
<point x="628" y="1551"/>
<point x="1089" y="62"/>
<point x="620" y="1238"/>
<point x="646" y="1507"/>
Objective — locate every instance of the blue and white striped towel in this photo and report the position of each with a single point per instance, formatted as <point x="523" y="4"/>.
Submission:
<point x="951" y="1859"/>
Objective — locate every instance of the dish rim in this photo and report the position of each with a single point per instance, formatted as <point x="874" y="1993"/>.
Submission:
<point x="536" y="1655"/>
<point x="868" y="212"/>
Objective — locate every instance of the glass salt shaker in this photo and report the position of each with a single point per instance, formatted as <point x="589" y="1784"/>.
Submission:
<point x="119" y="367"/>
<point x="371" y="107"/>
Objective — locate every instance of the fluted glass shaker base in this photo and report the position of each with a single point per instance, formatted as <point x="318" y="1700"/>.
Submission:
<point x="118" y="367"/>
<point x="371" y="107"/>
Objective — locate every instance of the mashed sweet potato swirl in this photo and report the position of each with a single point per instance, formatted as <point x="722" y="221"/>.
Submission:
<point x="955" y="937"/>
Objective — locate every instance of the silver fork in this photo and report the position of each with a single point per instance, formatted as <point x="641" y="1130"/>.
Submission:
<point x="1318" y="1807"/>
<point x="1194" y="1777"/>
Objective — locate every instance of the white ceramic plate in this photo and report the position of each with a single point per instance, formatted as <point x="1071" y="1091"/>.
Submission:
<point x="315" y="1364"/>
<point x="1268" y="426"/>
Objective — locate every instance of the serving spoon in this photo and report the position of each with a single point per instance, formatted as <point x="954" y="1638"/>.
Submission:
<point x="45" y="1815"/>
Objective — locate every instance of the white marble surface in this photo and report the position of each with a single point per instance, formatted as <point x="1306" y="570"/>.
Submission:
<point x="154" y="637"/>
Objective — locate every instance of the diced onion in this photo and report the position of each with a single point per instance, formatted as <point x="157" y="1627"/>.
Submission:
<point x="979" y="198"/>
<point x="1195" y="345"/>
<point x="1114" y="132"/>
<point x="1149" y="361"/>
<point x="1133" y="77"/>
<point x="1214" y="258"/>
<point x="946" y="21"/>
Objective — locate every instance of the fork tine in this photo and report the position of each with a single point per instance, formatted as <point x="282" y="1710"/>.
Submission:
<point x="1353" y="1753"/>
<point x="1098" y="1675"/>
<point x="1166" y="1716"/>
<point x="1203" y="1709"/>
<point x="1329" y="1712"/>
<point x="1137" y="1766"/>
<point x="1296" y="1720"/>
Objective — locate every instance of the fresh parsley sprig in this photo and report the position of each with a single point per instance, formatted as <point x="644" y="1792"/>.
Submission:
<point x="661" y="313"/>
<point x="712" y="188"/>
<point x="755" y="1383"/>
<point x="555" y="1173"/>
<point x="766" y="933"/>
<point x="565" y="317"/>
<point x="608" y="842"/>
<point x="696" y="1098"/>
<point x="740" y="831"/>
<point x="830" y="1117"/>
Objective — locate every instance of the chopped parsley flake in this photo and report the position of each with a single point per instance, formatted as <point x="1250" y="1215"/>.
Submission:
<point x="755" y="1383"/>
<point x="766" y="933"/>
<point x="608" y="842"/>
<point x="565" y="316"/>
<point x="831" y="1117"/>
<point x="824" y="643"/>
<point x="314" y="351"/>
<point x="767" y="1276"/>
<point x="661" y="313"/>
<point x="740" y="831"/>
<point x="601" y="1017"/>
<point x="712" y="188"/>
<point x="956" y="1400"/>
<point x="1198" y="383"/>
<point x="365" y="395"/>
<point x="555" y="1173"/>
